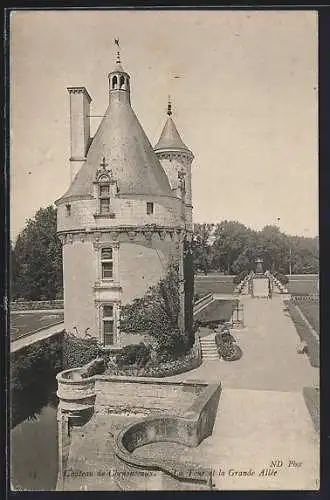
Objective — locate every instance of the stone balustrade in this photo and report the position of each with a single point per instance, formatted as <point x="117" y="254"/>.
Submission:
<point x="202" y="302"/>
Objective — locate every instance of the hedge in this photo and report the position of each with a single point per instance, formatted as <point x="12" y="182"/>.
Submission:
<point x="239" y="277"/>
<point x="306" y="335"/>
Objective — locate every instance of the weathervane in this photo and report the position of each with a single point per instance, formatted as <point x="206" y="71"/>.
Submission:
<point x="118" y="53"/>
<point x="169" y="106"/>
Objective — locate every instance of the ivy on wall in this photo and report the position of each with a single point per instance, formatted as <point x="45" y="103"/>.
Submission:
<point x="157" y="314"/>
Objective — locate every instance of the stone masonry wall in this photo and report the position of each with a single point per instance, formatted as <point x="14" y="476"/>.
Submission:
<point x="79" y="274"/>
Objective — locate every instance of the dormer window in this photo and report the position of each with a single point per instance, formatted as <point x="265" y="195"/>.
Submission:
<point x="104" y="197"/>
<point x="105" y="190"/>
<point x="150" y="208"/>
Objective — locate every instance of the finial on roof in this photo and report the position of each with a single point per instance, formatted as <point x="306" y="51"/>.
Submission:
<point x="169" y="106"/>
<point x="104" y="164"/>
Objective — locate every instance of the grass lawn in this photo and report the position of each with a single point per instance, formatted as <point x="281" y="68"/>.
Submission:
<point x="219" y="310"/>
<point x="21" y="324"/>
<point x="305" y="334"/>
<point x="311" y="310"/>
<point x="215" y="284"/>
<point x="302" y="286"/>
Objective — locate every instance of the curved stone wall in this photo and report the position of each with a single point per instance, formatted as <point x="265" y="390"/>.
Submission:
<point x="189" y="430"/>
<point x="76" y="394"/>
<point x="80" y="396"/>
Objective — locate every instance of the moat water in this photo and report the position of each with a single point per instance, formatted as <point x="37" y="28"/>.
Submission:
<point x="34" y="452"/>
<point x="34" y="444"/>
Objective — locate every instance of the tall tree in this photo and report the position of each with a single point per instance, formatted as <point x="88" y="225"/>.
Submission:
<point x="37" y="259"/>
<point x="274" y="247"/>
<point x="201" y="246"/>
<point x="231" y="239"/>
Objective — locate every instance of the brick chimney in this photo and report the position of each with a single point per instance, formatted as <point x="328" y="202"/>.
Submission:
<point x="79" y="127"/>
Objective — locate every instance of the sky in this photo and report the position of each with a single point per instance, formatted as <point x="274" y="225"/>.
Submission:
<point x="244" y="87"/>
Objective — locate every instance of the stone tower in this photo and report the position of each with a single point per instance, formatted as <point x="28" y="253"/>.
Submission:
<point x="176" y="159"/>
<point x="123" y="219"/>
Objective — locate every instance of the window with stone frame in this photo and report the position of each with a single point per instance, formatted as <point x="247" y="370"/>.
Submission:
<point x="104" y="197"/>
<point x="107" y="263"/>
<point x="108" y="325"/>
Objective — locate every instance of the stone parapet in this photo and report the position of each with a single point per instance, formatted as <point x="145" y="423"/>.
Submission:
<point x="38" y="305"/>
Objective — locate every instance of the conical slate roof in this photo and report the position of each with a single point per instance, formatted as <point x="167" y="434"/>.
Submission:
<point x="121" y="140"/>
<point x="170" y="138"/>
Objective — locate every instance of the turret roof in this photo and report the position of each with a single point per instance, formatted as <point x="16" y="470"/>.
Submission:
<point x="170" y="138"/>
<point x="121" y="140"/>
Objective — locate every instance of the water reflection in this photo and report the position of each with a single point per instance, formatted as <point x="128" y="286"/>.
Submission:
<point x="34" y="447"/>
<point x="34" y="452"/>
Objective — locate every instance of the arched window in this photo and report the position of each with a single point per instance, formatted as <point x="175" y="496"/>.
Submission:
<point x="122" y="81"/>
<point x="114" y="81"/>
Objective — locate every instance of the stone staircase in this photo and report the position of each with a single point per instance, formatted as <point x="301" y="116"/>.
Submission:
<point x="260" y="287"/>
<point x="209" y="348"/>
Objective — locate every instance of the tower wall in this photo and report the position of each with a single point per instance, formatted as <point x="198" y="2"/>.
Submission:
<point x="120" y="223"/>
<point x="79" y="275"/>
<point x="127" y="212"/>
<point x="140" y="260"/>
<point x="143" y="264"/>
<point x="173" y="163"/>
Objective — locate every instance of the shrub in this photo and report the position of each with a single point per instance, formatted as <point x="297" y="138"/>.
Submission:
<point x="159" y="308"/>
<point x="156" y="315"/>
<point x="239" y="277"/>
<point x="282" y="278"/>
<point x="171" y="345"/>
<point x="168" y="368"/>
<point x="226" y="346"/>
<point x="157" y="367"/>
<point x="134" y="354"/>
<point x="78" y="351"/>
<point x="233" y="354"/>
